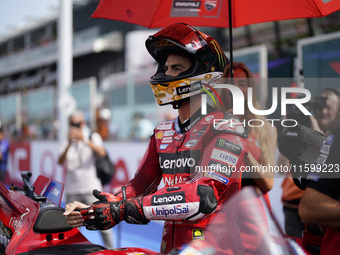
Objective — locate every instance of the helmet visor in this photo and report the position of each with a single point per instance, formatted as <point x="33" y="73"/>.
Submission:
<point x="179" y="34"/>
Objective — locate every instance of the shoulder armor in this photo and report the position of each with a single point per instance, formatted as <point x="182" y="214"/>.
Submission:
<point x="230" y="124"/>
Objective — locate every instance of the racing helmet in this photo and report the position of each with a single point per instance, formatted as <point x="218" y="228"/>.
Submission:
<point x="207" y="63"/>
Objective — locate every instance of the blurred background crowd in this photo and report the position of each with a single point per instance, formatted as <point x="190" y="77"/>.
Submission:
<point x="111" y="69"/>
<point x="110" y="84"/>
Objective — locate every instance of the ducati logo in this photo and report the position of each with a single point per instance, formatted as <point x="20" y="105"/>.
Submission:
<point x="210" y="4"/>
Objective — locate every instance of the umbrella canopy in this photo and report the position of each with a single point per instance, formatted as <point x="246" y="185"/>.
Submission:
<point x="212" y="13"/>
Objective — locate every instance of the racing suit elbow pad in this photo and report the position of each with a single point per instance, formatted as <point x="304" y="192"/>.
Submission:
<point x="133" y="211"/>
<point x="208" y="200"/>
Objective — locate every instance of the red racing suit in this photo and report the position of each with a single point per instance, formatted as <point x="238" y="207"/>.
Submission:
<point x="181" y="156"/>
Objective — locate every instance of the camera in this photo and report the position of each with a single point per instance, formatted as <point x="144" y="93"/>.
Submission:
<point x="73" y="124"/>
<point x="318" y="103"/>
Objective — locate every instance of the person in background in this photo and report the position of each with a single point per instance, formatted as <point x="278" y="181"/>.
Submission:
<point x="77" y="154"/>
<point x="179" y="153"/>
<point x="262" y="146"/>
<point x="142" y="128"/>
<point x="326" y="117"/>
<point x="4" y="151"/>
<point x="320" y="203"/>
<point x="103" y="119"/>
<point x="262" y="140"/>
<point x="291" y="196"/>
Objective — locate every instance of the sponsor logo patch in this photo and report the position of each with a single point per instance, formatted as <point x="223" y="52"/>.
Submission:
<point x="169" y="132"/>
<point x="209" y="118"/>
<point x="292" y="134"/>
<point x="192" y="123"/>
<point x="329" y="139"/>
<point x="325" y="149"/>
<point x="321" y="159"/>
<point x="159" y="134"/>
<point x="224" y="156"/>
<point x="167" y="140"/>
<point x="170" y="211"/>
<point x="160" y="95"/>
<point x="229" y="146"/>
<point x="191" y="143"/>
<point x="164" y="126"/>
<point x="169" y="198"/>
<point x="313" y="177"/>
<point x="186" y="4"/>
<point x="189" y="88"/>
<point x="163" y="146"/>
<point x="201" y="131"/>
<point x="194" y="132"/>
<point x="178" y="137"/>
<point x="198" y="234"/>
<point x="217" y="167"/>
<point x="173" y="188"/>
<point x="182" y="162"/>
<point x="169" y="180"/>
<point x="217" y="177"/>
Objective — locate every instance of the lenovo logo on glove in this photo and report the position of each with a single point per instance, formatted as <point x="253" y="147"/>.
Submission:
<point x="172" y="198"/>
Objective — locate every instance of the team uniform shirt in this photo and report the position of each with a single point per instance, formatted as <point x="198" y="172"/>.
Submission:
<point x="328" y="186"/>
<point x="192" y="160"/>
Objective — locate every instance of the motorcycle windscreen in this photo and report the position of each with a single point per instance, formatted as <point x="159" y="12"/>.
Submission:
<point x="54" y="192"/>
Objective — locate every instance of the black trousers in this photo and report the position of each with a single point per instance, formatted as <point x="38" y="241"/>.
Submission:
<point x="293" y="224"/>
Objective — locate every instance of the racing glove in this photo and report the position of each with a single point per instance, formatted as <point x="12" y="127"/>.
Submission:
<point x="105" y="214"/>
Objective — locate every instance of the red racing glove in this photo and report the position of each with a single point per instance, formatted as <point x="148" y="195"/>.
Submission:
<point x="104" y="214"/>
<point x="105" y="197"/>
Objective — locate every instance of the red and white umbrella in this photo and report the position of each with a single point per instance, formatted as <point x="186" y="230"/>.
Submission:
<point x="212" y="13"/>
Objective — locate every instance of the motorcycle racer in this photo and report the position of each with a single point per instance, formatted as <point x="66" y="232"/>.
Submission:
<point x="198" y="156"/>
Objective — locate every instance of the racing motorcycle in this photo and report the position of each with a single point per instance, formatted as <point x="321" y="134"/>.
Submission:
<point x="32" y="222"/>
